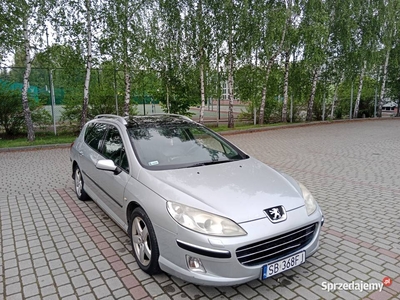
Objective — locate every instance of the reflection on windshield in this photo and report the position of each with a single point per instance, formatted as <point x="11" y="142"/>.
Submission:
<point x="170" y="147"/>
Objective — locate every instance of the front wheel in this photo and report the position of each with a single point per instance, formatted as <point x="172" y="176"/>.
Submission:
<point x="79" y="185"/>
<point x="144" y="242"/>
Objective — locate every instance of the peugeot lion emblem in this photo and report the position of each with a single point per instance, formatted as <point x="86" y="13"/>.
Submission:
<point x="276" y="214"/>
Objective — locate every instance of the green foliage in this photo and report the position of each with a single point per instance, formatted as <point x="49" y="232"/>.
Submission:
<point x="183" y="90"/>
<point x="12" y="118"/>
<point x="248" y="81"/>
<point x="101" y="101"/>
<point x="162" y="44"/>
<point x="366" y="108"/>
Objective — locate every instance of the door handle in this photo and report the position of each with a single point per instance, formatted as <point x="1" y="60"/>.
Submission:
<point x="80" y="153"/>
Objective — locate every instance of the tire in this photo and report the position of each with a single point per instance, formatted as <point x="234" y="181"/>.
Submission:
<point x="79" y="185"/>
<point x="144" y="242"/>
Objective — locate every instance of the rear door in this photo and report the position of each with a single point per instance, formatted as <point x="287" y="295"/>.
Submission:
<point x="89" y="155"/>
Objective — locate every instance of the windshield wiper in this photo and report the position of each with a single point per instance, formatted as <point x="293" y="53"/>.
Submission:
<point x="206" y="163"/>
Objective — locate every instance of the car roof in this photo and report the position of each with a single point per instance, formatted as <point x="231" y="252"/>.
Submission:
<point x="154" y="120"/>
<point x="159" y="120"/>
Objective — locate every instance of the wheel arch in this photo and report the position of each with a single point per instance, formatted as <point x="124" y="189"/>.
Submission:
<point x="131" y="207"/>
<point x="74" y="165"/>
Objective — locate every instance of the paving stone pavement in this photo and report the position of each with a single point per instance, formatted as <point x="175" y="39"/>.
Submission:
<point x="54" y="246"/>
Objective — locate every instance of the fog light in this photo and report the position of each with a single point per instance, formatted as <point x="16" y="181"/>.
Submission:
<point x="194" y="264"/>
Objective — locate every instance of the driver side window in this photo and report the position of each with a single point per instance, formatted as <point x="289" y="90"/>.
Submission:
<point x="114" y="149"/>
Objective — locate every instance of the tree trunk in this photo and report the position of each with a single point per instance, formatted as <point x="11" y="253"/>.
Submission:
<point x="285" y="88"/>
<point x="385" y="67"/>
<point x="25" y="104"/>
<point x="203" y="99"/>
<point x="230" y="83"/>
<point x="357" y="105"/>
<point x="312" y="95"/>
<point x="264" y="93"/>
<point x="127" y="100"/>
<point x="334" y="101"/>
<point x="167" y="99"/>
<point x="88" y="65"/>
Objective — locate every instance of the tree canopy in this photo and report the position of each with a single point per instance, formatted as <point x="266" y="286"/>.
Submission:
<point x="264" y="51"/>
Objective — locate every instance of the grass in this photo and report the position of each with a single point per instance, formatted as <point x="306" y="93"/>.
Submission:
<point x="224" y="127"/>
<point x="42" y="138"/>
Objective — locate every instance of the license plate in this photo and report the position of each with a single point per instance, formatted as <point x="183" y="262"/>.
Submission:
<point x="283" y="264"/>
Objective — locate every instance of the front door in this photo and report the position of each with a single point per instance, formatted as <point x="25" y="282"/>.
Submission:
<point x="113" y="185"/>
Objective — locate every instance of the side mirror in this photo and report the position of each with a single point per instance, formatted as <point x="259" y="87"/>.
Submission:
<point x="108" y="165"/>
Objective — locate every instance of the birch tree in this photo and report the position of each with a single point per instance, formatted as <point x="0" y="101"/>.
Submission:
<point x="389" y="29"/>
<point x="198" y="41"/>
<point x="76" y="24"/>
<point x="276" y="17"/>
<point x="28" y="66"/>
<point x="88" y="62"/>
<point x="123" y="39"/>
<point x="226" y="13"/>
<point x="27" y="19"/>
<point x="315" y="34"/>
<point x="285" y="87"/>
<point x="363" y="45"/>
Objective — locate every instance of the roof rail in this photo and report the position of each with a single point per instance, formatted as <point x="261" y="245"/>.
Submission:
<point x="173" y="115"/>
<point x="118" y="118"/>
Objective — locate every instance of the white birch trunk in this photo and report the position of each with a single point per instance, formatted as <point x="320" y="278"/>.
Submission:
<point x="25" y="104"/>
<point x="285" y="88"/>
<point x="385" y="67"/>
<point x="231" y="122"/>
<point x="357" y="105"/>
<point x="127" y="99"/>
<point x="88" y="64"/>
<point x="334" y="101"/>
<point x="264" y="93"/>
<point x="312" y="95"/>
<point x="202" y="90"/>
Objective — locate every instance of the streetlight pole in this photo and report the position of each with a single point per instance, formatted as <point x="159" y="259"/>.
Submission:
<point x="351" y="102"/>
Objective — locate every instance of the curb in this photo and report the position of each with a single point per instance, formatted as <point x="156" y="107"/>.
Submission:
<point x="230" y="132"/>
<point x="294" y="125"/>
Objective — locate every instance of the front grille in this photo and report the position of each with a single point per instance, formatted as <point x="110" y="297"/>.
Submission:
<point x="276" y="247"/>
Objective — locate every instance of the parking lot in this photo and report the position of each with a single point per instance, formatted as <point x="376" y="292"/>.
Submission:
<point x="54" y="246"/>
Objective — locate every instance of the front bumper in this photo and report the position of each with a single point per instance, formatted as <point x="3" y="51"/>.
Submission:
<point x="218" y="254"/>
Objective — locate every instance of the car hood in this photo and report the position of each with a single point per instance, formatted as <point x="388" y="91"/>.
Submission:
<point x="239" y="190"/>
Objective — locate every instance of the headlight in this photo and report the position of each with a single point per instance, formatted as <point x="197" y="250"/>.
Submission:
<point x="202" y="221"/>
<point x="310" y="203"/>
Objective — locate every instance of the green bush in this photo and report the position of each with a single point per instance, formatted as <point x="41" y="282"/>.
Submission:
<point x="12" y="119"/>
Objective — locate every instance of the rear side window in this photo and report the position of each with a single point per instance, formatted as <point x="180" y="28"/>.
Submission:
<point x="94" y="135"/>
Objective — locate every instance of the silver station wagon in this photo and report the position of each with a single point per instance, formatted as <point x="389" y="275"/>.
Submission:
<point x="194" y="205"/>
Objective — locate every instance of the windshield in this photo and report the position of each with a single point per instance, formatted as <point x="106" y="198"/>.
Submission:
<point x="180" y="146"/>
